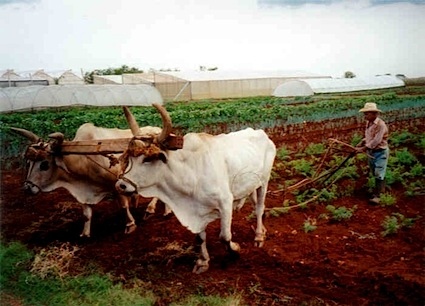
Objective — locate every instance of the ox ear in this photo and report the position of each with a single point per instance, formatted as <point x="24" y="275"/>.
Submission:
<point x="61" y="164"/>
<point x="162" y="156"/>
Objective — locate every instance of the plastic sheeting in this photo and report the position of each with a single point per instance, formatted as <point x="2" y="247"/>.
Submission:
<point x="306" y="87"/>
<point x="293" y="88"/>
<point x="35" y="97"/>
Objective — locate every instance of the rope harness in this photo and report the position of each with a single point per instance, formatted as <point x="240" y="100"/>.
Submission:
<point x="40" y="151"/>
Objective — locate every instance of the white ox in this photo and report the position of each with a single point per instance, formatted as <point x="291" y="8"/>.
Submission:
<point x="89" y="178"/>
<point x="206" y="179"/>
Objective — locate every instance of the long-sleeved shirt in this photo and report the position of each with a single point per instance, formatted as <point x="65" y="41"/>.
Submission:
<point x="376" y="135"/>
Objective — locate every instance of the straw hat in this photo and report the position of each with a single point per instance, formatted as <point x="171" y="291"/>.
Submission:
<point x="370" y="107"/>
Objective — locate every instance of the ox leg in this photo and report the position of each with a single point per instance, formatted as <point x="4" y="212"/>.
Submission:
<point x="150" y="210"/>
<point x="87" y="212"/>
<point x="226" y="234"/>
<point x="167" y="210"/>
<point x="202" y="263"/>
<point x="260" y="231"/>
<point x="131" y="223"/>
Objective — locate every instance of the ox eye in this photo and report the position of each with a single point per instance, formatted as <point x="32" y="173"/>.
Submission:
<point x="149" y="159"/>
<point x="44" y="166"/>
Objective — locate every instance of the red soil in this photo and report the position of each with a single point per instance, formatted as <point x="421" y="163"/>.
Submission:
<point x="343" y="263"/>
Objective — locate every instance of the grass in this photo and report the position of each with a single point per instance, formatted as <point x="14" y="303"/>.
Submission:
<point x="198" y="300"/>
<point x="36" y="287"/>
<point x="43" y="279"/>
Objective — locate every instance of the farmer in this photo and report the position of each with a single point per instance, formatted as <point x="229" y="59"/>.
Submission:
<point x="375" y="145"/>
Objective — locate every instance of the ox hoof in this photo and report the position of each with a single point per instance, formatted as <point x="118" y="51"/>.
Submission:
<point x="259" y="244"/>
<point x="235" y="247"/>
<point x="130" y="228"/>
<point x="147" y="215"/>
<point x="200" y="267"/>
<point x="85" y="235"/>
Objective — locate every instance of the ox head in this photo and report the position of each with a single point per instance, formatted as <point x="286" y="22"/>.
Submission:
<point x="43" y="160"/>
<point x="146" y="153"/>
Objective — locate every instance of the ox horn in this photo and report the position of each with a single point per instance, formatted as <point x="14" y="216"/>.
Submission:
<point x="131" y="121"/>
<point x="57" y="136"/>
<point x="166" y="123"/>
<point x="30" y="135"/>
<point x="58" y="139"/>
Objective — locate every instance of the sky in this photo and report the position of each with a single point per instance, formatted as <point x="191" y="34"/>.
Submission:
<point x="326" y="37"/>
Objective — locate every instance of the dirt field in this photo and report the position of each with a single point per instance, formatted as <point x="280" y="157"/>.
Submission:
<point x="340" y="263"/>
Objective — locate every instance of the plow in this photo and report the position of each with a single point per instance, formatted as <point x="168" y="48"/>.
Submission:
<point x="321" y="178"/>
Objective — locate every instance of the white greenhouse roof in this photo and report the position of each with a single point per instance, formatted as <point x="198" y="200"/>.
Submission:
<point x="34" y="97"/>
<point x="304" y="87"/>
<point x="218" y="75"/>
<point x="113" y="78"/>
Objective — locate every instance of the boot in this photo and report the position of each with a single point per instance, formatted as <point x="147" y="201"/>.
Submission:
<point x="380" y="188"/>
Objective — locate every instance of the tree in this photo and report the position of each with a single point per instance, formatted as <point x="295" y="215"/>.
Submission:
<point x="349" y="75"/>
<point x="88" y="76"/>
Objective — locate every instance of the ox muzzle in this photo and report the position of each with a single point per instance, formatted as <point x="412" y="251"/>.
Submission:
<point x="125" y="186"/>
<point x="31" y="188"/>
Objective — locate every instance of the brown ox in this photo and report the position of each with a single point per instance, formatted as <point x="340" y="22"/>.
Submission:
<point x="89" y="178"/>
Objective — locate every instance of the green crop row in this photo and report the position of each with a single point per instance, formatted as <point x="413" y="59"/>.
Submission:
<point x="210" y="115"/>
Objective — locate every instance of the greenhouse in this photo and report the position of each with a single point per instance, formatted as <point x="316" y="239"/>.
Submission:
<point x="36" y="97"/>
<point x="215" y="84"/>
<point x="308" y="87"/>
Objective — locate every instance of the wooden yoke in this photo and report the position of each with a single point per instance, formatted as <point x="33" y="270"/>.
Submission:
<point x="95" y="147"/>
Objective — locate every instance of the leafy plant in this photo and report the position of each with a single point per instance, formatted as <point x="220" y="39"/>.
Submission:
<point x="387" y="199"/>
<point x="393" y="176"/>
<point x="396" y="221"/>
<point x="417" y="170"/>
<point x="347" y="191"/>
<point x="277" y="211"/>
<point x="421" y="142"/>
<point x="355" y="140"/>
<point x="340" y="213"/>
<point x="283" y="153"/>
<point x="400" y="138"/>
<point x="302" y="166"/>
<point x="415" y="188"/>
<point x="328" y="194"/>
<point x="309" y="225"/>
<point x="370" y="183"/>
<point x="404" y="157"/>
<point x="315" y="149"/>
